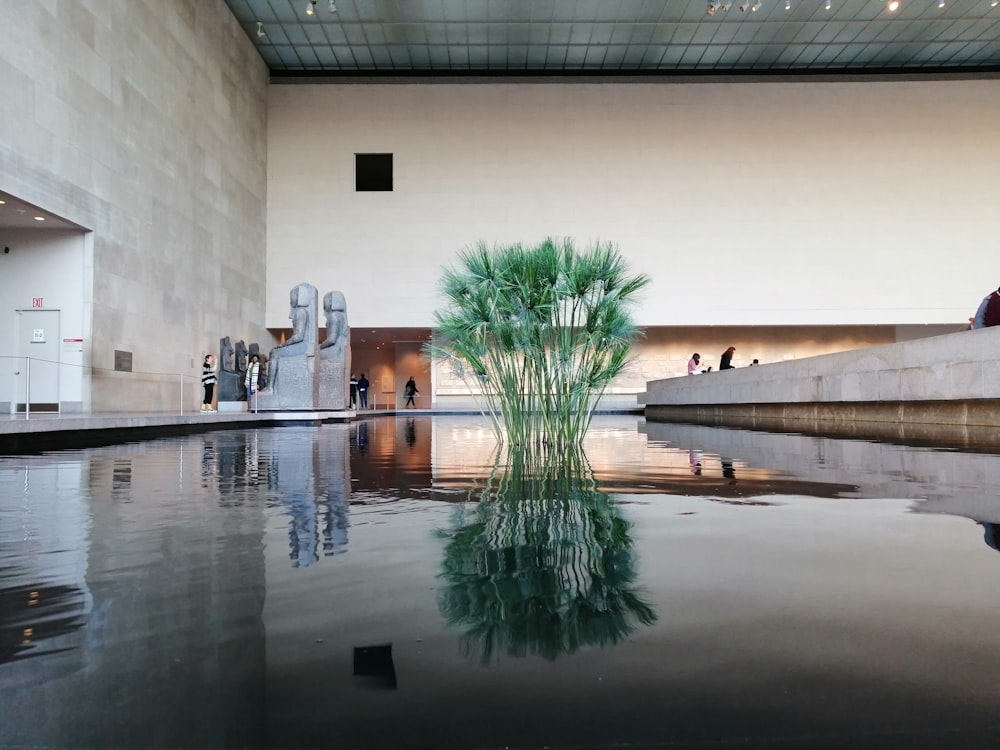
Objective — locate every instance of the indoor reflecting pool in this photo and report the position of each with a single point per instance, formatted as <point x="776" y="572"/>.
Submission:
<point x="395" y="583"/>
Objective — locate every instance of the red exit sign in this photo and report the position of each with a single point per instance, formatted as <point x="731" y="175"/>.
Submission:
<point x="38" y="302"/>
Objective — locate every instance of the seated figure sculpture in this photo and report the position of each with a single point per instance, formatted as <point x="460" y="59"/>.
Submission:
<point x="292" y="382"/>
<point x="229" y="377"/>
<point x="334" y="354"/>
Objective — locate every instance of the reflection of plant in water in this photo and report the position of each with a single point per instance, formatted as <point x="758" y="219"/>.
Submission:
<point x="543" y="564"/>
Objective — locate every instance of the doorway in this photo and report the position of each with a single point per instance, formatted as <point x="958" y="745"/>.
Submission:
<point x="37" y="368"/>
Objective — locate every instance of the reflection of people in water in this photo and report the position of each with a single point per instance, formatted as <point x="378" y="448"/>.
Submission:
<point x="727" y="469"/>
<point x="411" y="432"/>
<point x="362" y="437"/>
<point x="990" y="534"/>
<point x="694" y="459"/>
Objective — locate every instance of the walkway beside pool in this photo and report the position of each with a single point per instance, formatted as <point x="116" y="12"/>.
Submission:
<point x="926" y="388"/>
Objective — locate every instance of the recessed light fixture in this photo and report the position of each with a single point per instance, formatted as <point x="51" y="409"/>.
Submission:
<point x="3" y="203"/>
<point x="829" y="4"/>
<point x="39" y="218"/>
<point x="894" y="5"/>
<point x="788" y="4"/>
<point x="940" y="3"/>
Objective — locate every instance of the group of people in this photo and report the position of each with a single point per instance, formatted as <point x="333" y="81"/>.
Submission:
<point x="251" y="379"/>
<point x="359" y="391"/>
<point x="360" y="386"/>
<point x="725" y="362"/>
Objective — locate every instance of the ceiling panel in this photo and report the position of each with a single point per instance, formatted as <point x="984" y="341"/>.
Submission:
<point x="620" y="36"/>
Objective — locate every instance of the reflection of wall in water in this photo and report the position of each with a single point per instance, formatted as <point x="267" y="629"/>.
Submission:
<point x="941" y="481"/>
<point x="390" y="452"/>
<point x="172" y="652"/>
<point x="45" y="599"/>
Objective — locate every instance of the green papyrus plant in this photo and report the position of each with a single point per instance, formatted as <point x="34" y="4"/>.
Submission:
<point x="541" y="330"/>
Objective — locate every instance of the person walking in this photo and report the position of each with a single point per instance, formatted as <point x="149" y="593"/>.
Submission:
<point x="988" y="314"/>
<point x="410" y="390"/>
<point x="363" y="391"/>
<point x="208" y="381"/>
<point x="726" y="361"/>
<point x="251" y="381"/>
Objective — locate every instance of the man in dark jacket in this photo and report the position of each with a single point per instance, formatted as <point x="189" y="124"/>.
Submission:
<point x="363" y="391"/>
<point x="988" y="313"/>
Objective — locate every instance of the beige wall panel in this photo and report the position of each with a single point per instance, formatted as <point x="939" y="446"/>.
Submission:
<point x="752" y="203"/>
<point x="144" y="122"/>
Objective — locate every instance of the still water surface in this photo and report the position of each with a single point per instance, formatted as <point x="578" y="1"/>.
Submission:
<point x="343" y="586"/>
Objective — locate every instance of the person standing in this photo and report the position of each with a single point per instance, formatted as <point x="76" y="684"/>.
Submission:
<point x="354" y="391"/>
<point x="363" y="391"/>
<point x="208" y="381"/>
<point x="251" y="380"/>
<point x="988" y="314"/>
<point x="410" y="390"/>
<point x="726" y="361"/>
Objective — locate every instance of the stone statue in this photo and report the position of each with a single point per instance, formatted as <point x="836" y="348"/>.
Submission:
<point x="292" y="382"/>
<point x="230" y="387"/>
<point x="335" y="354"/>
<point x="226" y="354"/>
<point x="241" y="356"/>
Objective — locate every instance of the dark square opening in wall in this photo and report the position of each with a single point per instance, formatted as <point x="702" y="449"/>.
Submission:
<point x="373" y="172"/>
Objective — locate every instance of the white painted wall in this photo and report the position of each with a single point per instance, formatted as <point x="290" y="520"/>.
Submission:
<point x="49" y="265"/>
<point x="749" y="203"/>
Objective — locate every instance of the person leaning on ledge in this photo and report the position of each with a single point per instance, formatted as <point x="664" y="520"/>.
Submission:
<point x="988" y="313"/>
<point x="726" y="361"/>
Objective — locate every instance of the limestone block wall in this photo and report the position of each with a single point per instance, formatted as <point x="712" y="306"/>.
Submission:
<point x="962" y="366"/>
<point x="144" y="122"/>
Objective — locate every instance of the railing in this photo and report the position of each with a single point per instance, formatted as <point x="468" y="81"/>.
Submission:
<point x="29" y="373"/>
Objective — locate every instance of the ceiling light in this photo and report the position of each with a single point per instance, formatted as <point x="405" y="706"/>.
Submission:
<point x="756" y="6"/>
<point x="333" y="7"/>
<point x="712" y="7"/>
<point x="894" y="5"/>
<point x="727" y="6"/>
<point x="309" y="7"/>
<point x="788" y="4"/>
<point x="995" y="3"/>
<point x="829" y="4"/>
<point x="39" y="218"/>
<point x="744" y="7"/>
<point x="3" y="203"/>
<point x="940" y="3"/>
<point x="260" y="29"/>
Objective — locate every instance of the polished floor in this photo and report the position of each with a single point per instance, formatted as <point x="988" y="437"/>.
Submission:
<point x="388" y="583"/>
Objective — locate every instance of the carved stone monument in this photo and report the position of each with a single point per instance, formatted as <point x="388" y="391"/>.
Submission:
<point x="230" y="378"/>
<point x="292" y="381"/>
<point x="334" y="354"/>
